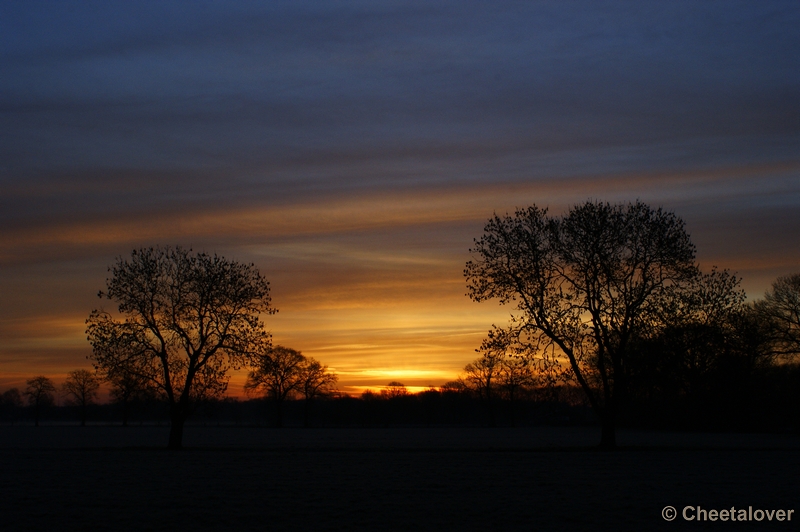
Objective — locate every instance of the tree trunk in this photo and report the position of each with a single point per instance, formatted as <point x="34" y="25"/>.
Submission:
<point x="608" y="438"/>
<point x="512" y="408"/>
<point x="125" y="408"/>
<point x="278" y="413"/>
<point x="176" y="432"/>
<point x="491" y="411"/>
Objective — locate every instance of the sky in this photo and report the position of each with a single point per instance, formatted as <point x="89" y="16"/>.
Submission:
<point x="353" y="150"/>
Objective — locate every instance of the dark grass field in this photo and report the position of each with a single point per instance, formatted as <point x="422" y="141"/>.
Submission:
<point x="240" y="478"/>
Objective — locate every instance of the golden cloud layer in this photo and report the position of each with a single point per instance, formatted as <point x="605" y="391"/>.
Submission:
<point x="369" y="284"/>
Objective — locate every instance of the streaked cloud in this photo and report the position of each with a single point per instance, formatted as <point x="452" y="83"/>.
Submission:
<point x="353" y="151"/>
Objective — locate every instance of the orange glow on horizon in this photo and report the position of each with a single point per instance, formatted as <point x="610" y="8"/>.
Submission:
<point x="370" y="285"/>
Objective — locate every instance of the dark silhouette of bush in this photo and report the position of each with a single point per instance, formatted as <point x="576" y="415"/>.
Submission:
<point x="40" y="392"/>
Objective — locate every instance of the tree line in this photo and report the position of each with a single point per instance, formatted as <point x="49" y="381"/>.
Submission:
<point x="391" y="405"/>
<point x="278" y="375"/>
<point x="182" y="321"/>
<point x="79" y="389"/>
<point x="609" y="302"/>
<point x="611" y="299"/>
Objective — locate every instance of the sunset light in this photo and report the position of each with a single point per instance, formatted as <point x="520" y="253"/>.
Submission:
<point x="403" y="265"/>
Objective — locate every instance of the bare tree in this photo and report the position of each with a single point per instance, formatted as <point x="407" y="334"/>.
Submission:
<point x="452" y="387"/>
<point x="81" y="388"/>
<point x="11" y="403"/>
<point x="480" y="377"/>
<point x="40" y="392"/>
<point x="315" y="381"/>
<point x="781" y="308"/>
<point x="188" y="319"/>
<point x="698" y="325"/>
<point x="585" y="283"/>
<point x="394" y="389"/>
<point x="276" y="373"/>
<point x="126" y="388"/>
<point x="127" y="382"/>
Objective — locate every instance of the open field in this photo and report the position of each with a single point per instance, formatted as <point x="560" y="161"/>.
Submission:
<point x="248" y="478"/>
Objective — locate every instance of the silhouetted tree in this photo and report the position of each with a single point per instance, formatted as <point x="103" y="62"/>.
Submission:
<point x="40" y="392"/>
<point x="453" y="387"/>
<point x="520" y="367"/>
<point x="81" y="388"/>
<point x="276" y="373"/>
<point x="126" y="388"/>
<point x="480" y="377"/>
<point x="315" y="381"/>
<point x="585" y="283"/>
<point x="781" y="308"/>
<point x="10" y="404"/>
<point x="517" y="378"/>
<point x="128" y="383"/>
<point x="696" y="343"/>
<point x="188" y="319"/>
<point x="394" y="389"/>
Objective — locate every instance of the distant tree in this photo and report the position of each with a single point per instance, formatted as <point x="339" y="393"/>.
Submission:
<point x="752" y="337"/>
<point x="700" y="339"/>
<point x="126" y="388"/>
<point x="697" y="325"/>
<point x="517" y="379"/>
<point x="518" y="364"/>
<point x="10" y="404"/>
<point x="80" y="389"/>
<point x="40" y="392"/>
<point x="453" y="387"/>
<point x="188" y="319"/>
<point x="781" y="308"/>
<point x="394" y="389"/>
<point x="127" y="384"/>
<point x="315" y="381"/>
<point x="276" y="373"/>
<point x="369" y="395"/>
<point x="585" y="284"/>
<point x="480" y="377"/>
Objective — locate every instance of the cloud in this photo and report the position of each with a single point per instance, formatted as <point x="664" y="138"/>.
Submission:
<point x="162" y="86"/>
<point x="354" y="150"/>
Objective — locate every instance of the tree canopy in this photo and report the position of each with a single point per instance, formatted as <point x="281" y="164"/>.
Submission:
<point x="586" y="285"/>
<point x="282" y="372"/>
<point x="81" y="388"/>
<point x="781" y="308"/>
<point x="39" y="391"/>
<point x="184" y="320"/>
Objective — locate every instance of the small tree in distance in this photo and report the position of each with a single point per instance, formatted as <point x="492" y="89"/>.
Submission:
<point x="127" y="387"/>
<point x="276" y="373"/>
<point x="480" y="377"/>
<point x="10" y="404"/>
<point x="81" y="388"/>
<point x="456" y="386"/>
<point x="781" y="308"/>
<point x="40" y="392"/>
<point x="315" y="381"/>
<point x="394" y="389"/>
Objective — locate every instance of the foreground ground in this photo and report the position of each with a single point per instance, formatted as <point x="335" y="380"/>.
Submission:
<point x="239" y="478"/>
